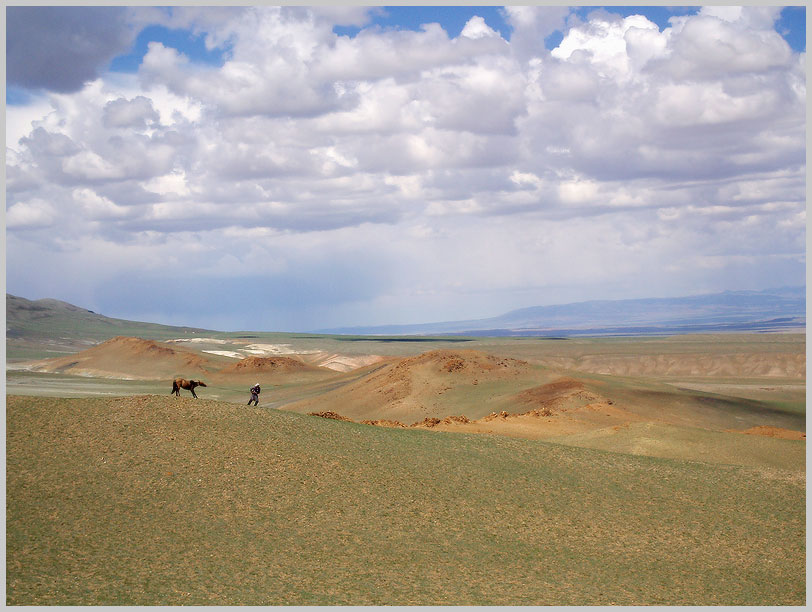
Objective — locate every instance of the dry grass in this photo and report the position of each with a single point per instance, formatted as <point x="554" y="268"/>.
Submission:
<point x="156" y="500"/>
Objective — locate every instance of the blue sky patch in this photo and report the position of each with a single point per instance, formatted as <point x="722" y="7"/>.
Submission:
<point x="792" y="25"/>
<point x="452" y="18"/>
<point x="656" y="14"/>
<point x="17" y="96"/>
<point x="185" y="41"/>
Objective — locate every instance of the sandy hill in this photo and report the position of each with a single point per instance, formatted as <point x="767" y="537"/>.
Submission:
<point x="131" y="358"/>
<point x="473" y="392"/>
<point x="561" y="407"/>
<point x="433" y="384"/>
<point x="440" y="368"/>
<point x="674" y="425"/>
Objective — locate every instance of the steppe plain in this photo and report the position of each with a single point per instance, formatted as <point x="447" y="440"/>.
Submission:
<point x="448" y="470"/>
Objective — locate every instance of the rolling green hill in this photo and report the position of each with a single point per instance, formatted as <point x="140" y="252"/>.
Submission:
<point x="42" y="328"/>
<point x="150" y="500"/>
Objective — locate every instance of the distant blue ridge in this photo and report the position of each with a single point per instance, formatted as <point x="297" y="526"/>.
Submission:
<point x="782" y="309"/>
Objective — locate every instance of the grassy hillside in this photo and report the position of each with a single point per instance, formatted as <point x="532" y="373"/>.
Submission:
<point x="157" y="500"/>
<point x="662" y="440"/>
<point x="42" y="328"/>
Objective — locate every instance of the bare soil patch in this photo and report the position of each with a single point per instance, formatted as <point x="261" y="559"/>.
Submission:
<point x="379" y="422"/>
<point x="559" y="395"/>
<point x="774" y="432"/>
<point x="561" y="407"/>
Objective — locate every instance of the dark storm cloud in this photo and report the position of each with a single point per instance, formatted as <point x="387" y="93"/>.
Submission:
<point x="61" y="48"/>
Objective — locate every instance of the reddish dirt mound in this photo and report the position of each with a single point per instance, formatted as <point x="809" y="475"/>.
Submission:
<point x="266" y="365"/>
<point x="428" y="422"/>
<point x="432" y="384"/>
<point x="559" y="394"/>
<point x="384" y="423"/>
<point x="433" y="371"/>
<point x="455" y="419"/>
<point x="496" y="415"/>
<point x="557" y="388"/>
<point x="445" y="361"/>
<point x="774" y="432"/>
<point x="135" y="346"/>
<point x="329" y="414"/>
<point x="130" y="358"/>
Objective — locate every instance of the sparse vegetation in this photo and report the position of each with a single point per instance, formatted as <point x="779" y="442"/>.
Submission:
<point x="157" y="500"/>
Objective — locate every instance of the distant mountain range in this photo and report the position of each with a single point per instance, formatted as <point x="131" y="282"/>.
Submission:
<point x="744" y="311"/>
<point x="782" y="309"/>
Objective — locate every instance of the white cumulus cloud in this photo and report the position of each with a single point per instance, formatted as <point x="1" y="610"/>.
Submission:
<point x="354" y="173"/>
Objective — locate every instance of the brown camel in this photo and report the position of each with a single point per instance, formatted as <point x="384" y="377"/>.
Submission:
<point x="182" y="383"/>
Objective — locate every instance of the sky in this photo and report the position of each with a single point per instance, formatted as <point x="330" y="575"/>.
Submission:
<point x="292" y="168"/>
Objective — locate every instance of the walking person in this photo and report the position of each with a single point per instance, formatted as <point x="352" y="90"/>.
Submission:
<point x="254" y="395"/>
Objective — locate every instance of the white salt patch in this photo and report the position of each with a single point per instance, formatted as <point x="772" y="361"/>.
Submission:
<point x="233" y="354"/>
<point x="273" y="349"/>
<point x="201" y="340"/>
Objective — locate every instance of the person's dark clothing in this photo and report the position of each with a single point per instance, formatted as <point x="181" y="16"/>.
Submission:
<point x="254" y="395"/>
